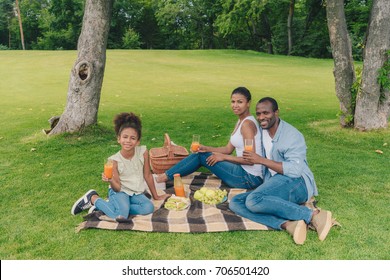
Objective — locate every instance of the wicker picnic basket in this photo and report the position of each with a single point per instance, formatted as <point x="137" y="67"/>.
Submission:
<point x="163" y="158"/>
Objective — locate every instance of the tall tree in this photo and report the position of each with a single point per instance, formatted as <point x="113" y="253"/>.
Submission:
<point x="344" y="71"/>
<point x="365" y="102"/>
<point x="373" y="100"/>
<point x="289" y="25"/>
<point x="20" y="23"/>
<point x="86" y="77"/>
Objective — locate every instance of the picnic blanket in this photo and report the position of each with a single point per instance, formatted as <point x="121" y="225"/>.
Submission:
<point x="199" y="217"/>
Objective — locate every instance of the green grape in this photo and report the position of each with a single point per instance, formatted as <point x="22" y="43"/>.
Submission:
<point x="210" y="196"/>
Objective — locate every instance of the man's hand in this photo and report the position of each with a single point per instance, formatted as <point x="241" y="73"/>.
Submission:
<point x="251" y="157"/>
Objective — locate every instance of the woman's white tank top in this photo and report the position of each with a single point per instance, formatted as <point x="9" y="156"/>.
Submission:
<point x="236" y="139"/>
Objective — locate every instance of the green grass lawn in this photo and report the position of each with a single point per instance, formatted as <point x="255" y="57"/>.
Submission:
<point x="179" y="92"/>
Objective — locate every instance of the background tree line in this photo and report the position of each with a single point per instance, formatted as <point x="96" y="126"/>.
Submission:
<point x="291" y="27"/>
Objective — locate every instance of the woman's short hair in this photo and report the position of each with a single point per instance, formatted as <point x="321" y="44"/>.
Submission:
<point x="243" y="91"/>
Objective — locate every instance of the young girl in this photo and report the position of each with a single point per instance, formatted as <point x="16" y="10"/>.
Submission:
<point x="131" y="174"/>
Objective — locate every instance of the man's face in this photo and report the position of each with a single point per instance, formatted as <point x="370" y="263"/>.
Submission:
<point x="265" y="115"/>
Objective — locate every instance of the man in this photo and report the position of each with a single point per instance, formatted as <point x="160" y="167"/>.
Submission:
<point x="288" y="181"/>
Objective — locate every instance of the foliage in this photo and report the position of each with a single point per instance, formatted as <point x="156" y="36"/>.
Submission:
<point x="357" y="13"/>
<point x="131" y="40"/>
<point x="244" y="24"/>
<point x="311" y="32"/>
<point x="384" y="76"/>
<point x="64" y="26"/>
<point x="186" y="24"/>
<point x="6" y="14"/>
<point x="355" y="90"/>
<point x="181" y="24"/>
<point x="125" y="16"/>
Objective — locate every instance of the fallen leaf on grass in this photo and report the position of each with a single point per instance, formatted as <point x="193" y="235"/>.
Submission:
<point x="379" y="151"/>
<point x="33" y="149"/>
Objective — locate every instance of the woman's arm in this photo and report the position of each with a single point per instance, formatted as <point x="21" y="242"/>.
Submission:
<point x="227" y="150"/>
<point x="248" y="131"/>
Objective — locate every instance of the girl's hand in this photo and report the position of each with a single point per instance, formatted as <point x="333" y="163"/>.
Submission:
<point x="162" y="197"/>
<point x="214" y="158"/>
<point x="105" y="179"/>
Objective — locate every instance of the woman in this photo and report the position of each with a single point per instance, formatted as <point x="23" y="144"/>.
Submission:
<point x="232" y="170"/>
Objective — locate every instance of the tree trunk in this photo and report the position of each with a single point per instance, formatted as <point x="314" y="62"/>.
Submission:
<point x="373" y="103"/>
<point x="9" y="34"/>
<point x="86" y="77"/>
<point x="20" y="24"/>
<point x="344" y="72"/>
<point x="289" y="25"/>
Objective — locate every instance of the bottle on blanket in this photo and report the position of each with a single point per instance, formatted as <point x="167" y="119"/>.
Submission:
<point x="178" y="185"/>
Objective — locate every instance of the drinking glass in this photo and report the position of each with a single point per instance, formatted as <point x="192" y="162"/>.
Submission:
<point x="195" y="143"/>
<point x="248" y="145"/>
<point x="108" y="165"/>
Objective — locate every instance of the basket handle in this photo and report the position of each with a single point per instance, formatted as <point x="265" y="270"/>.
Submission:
<point x="167" y="140"/>
<point x="167" y="144"/>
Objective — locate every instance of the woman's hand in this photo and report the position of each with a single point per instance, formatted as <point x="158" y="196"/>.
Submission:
<point x="214" y="158"/>
<point x="202" y="149"/>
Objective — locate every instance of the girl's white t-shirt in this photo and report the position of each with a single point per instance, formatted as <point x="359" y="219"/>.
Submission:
<point x="131" y="171"/>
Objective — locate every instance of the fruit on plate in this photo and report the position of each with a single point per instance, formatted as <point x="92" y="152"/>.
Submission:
<point x="210" y="196"/>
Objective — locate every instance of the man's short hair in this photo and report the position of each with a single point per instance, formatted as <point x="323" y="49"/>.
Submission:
<point x="275" y="106"/>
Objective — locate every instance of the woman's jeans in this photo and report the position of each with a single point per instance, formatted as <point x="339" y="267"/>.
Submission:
<point x="122" y="204"/>
<point x="230" y="173"/>
<point x="274" y="202"/>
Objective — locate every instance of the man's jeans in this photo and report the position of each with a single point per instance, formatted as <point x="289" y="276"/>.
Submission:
<point x="230" y="173"/>
<point x="274" y="202"/>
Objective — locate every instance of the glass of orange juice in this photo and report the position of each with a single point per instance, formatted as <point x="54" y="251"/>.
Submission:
<point x="248" y="145"/>
<point x="195" y="143"/>
<point x="108" y="165"/>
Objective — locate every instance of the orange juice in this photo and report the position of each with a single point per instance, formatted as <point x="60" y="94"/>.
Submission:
<point x="178" y="185"/>
<point x="108" y="170"/>
<point x="248" y="145"/>
<point x="195" y="146"/>
<point x="248" y="148"/>
<point x="179" y="191"/>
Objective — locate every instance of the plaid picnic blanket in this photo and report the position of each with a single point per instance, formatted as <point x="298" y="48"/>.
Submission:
<point x="199" y="217"/>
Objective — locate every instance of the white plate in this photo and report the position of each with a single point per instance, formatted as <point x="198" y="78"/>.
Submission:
<point x="177" y="204"/>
